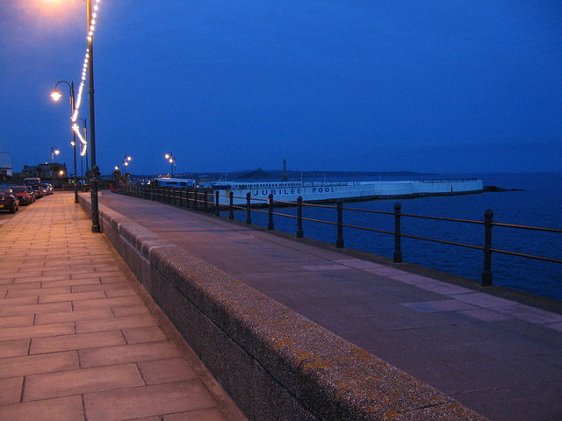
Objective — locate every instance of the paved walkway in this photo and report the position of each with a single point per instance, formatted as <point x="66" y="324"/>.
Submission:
<point x="79" y="339"/>
<point x="498" y="357"/>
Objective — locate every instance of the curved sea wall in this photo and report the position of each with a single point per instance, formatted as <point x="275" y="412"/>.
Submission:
<point x="347" y="191"/>
<point x="275" y="363"/>
<point x="418" y="188"/>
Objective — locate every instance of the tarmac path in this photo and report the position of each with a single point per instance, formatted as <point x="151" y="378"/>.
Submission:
<point x="496" y="356"/>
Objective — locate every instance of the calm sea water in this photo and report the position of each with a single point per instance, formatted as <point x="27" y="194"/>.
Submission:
<point x="539" y="203"/>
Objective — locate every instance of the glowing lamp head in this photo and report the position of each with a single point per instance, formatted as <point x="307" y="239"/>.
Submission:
<point x="56" y="95"/>
<point x="56" y="151"/>
<point x="61" y="173"/>
<point x="167" y="156"/>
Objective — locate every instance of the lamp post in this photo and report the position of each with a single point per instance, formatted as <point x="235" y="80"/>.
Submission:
<point x="170" y="158"/>
<point x="126" y="160"/>
<point x="95" y="171"/>
<point x="56" y="95"/>
<point x="54" y="152"/>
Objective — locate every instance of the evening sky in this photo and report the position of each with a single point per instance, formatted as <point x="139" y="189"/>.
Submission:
<point x="359" y="85"/>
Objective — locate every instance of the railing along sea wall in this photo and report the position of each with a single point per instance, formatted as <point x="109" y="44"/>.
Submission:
<point x="207" y="200"/>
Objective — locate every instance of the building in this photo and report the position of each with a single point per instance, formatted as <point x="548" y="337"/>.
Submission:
<point x="51" y="171"/>
<point x="5" y="165"/>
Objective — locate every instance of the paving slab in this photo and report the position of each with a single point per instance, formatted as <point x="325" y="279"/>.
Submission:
<point x="130" y="403"/>
<point x="79" y="338"/>
<point x="496" y="356"/>
<point x="62" y="409"/>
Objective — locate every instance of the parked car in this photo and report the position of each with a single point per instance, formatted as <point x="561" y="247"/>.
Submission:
<point x="31" y="192"/>
<point x="47" y="188"/>
<point x="38" y="191"/>
<point x="8" y="201"/>
<point x="24" y="195"/>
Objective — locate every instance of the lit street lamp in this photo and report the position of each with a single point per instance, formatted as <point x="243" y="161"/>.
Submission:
<point x="170" y="158"/>
<point x="56" y="95"/>
<point x="126" y="160"/>
<point x="90" y="15"/>
<point x="54" y="152"/>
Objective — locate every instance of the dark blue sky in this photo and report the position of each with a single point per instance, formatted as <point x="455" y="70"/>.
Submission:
<point x="420" y="85"/>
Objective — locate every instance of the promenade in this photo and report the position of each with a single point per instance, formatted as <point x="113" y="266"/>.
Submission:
<point x="498" y="357"/>
<point x="79" y="340"/>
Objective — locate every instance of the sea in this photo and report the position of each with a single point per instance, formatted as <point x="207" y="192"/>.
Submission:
<point x="531" y="199"/>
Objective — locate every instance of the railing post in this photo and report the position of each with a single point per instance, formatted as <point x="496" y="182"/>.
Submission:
<point x="206" y="202"/>
<point x="339" y="240"/>
<point x="231" y="205"/>
<point x="248" y="212"/>
<point x="195" y="199"/>
<point x="397" y="258"/>
<point x="217" y="204"/>
<point x="300" y="232"/>
<point x="270" y="225"/>
<point x="487" y="270"/>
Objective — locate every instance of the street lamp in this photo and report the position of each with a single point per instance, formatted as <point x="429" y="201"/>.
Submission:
<point x="54" y="152"/>
<point x="126" y="160"/>
<point x="56" y="95"/>
<point x="95" y="170"/>
<point x="170" y="158"/>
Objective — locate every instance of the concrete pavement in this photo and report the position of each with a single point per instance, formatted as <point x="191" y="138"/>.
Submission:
<point x="79" y="339"/>
<point x="496" y="356"/>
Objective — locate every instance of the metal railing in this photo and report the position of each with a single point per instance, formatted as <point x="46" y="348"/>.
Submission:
<point x="207" y="200"/>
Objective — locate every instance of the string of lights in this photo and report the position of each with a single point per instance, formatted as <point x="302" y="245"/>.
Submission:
<point x="78" y="102"/>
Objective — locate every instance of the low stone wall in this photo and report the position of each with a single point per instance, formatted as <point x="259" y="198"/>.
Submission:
<point x="276" y="364"/>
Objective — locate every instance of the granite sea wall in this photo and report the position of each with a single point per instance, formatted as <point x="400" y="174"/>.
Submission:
<point x="275" y="363"/>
